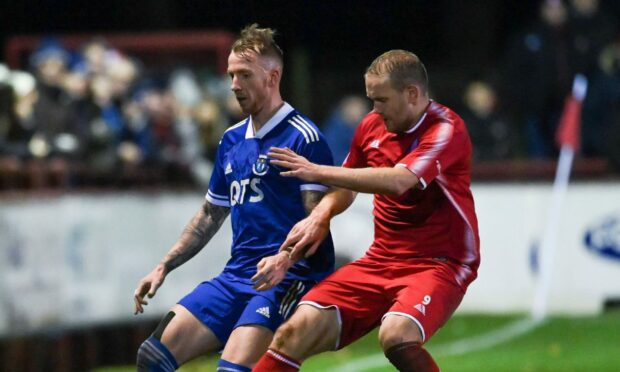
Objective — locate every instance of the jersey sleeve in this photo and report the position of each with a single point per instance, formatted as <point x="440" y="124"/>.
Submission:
<point x="356" y="158"/>
<point x="218" y="189"/>
<point x="317" y="152"/>
<point x="439" y="148"/>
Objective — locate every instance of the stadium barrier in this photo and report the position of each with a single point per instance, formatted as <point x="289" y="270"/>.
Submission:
<point x="70" y="262"/>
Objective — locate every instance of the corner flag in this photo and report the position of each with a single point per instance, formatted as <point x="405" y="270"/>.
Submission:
<point x="569" y="128"/>
<point x="568" y="136"/>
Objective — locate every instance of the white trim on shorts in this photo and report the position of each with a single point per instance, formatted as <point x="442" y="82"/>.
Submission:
<point x="318" y="306"/>
<point x="408" y="316"/>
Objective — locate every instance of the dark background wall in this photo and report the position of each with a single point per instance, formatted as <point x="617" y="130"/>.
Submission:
<point x="327" y="44"/>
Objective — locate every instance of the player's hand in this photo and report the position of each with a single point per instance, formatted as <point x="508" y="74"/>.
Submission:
<point x="298" y="166"/>
<point x="271" y="270"/>
<point x="148" y="287"/>
<point x="306" y="236"/>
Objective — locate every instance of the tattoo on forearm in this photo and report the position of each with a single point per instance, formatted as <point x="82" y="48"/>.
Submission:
<point x="205" y="223"/>
<point x="311" y="199"/>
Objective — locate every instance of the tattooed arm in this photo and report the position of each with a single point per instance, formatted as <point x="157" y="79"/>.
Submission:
<point x="195" y="236"/>
<point x="205" y="223"/>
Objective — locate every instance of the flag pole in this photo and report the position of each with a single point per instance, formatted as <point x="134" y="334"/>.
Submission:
<point x="568" y="138"/>
<point x="549" y="242"/>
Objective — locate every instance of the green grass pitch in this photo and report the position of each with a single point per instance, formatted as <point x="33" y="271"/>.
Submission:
<point x="559" y="344"/>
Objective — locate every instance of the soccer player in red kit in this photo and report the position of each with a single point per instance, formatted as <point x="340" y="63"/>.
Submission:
<point x="414" y="155"/>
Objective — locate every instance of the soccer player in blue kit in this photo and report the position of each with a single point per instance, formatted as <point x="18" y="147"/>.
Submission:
<point x="228" y="312"/>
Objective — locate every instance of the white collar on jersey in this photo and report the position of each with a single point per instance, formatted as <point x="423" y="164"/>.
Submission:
<point x="410" y="130"/>
<point x="270" y="124"/>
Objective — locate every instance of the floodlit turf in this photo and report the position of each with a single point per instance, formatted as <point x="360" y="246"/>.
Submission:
<point x="560" y="344"/>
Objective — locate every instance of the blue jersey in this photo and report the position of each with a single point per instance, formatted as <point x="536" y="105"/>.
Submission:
<point x="264" y="205"/>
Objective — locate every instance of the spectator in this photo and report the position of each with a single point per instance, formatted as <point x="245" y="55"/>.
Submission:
<point x="7" y="114"/>
<point x="539" y="77"/>
<point x="9" y="120"/>
<point x="53" y="116"/>
<point x="211" y="121"/>
<point x="20" y="144"/>
<point x="187" y="97"/>
<point x="94" y="53"/>
<point x="601" y="109"/>
<point x="491" y="133"/>
<point x="590" y="31"/>
<point x="164" y="150"/>
<point x="21" y="124"/>
<point x="9" y="162"/>
<point x="106" y="129"/>
<point x="341" y="125"/>
<point x="122" y="73"/>
<point x="233" y="110"/>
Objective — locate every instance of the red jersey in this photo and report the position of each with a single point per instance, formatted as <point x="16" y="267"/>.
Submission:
<point x="436" y="220"/>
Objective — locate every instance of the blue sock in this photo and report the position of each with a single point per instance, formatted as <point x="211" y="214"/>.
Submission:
<point x="226" y="366"/>
<point x="153" y="356"/>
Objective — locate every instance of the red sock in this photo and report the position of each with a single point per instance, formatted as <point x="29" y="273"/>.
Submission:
<point x="411" y="357"/>
<point x="275" y="361"/>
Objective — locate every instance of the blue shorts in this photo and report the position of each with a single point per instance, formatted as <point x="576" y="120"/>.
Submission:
<point x="225" y="303"/>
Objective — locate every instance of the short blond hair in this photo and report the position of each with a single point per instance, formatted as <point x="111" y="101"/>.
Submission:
<point x="259" y="40"/>
<point x="402" y="67"/>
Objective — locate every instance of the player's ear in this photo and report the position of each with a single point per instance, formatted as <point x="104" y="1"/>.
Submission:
<point x="274" y="76"/>
<point x="413" y="93"/>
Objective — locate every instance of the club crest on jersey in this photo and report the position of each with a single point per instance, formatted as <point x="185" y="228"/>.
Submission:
<point x="261" y="166"/>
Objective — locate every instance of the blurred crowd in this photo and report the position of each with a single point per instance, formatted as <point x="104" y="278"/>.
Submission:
<point x="515" y="110"/>
<point x="97" y="117"/>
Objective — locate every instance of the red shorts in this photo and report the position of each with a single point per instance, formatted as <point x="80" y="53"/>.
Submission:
<point x="364" y="291"/>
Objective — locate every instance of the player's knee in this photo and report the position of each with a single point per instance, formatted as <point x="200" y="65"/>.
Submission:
<point x="153" y="356"/>
<point x="286" y="334"/>
<point x="398" y="329"/>
<point x="302" y="326"/>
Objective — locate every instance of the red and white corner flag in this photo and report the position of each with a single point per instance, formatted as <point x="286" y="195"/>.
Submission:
<point x="569" y="127"/>
<point x="568" y="137"/>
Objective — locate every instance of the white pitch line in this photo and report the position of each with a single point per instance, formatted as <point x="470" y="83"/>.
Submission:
<point x="459" y="347"/>
<point x="487" y="340"/>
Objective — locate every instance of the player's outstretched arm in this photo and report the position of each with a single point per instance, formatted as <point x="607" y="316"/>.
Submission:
<point x="303" y="240"/>
<point x="271" y="270"/>
<point x="390" y="181"/>
<point x="205" y="223"/>
<point x="305" y="237"/>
